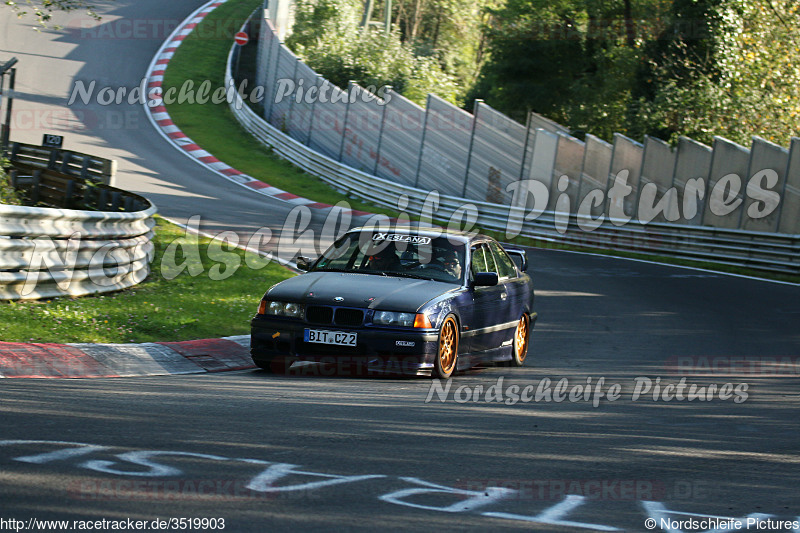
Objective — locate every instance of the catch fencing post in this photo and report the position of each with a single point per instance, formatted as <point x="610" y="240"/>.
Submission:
<point x="422" y="141"/>
<point x="380" y="130"/>
<point x="475" y="108"/>
<point x="350" y="85"/>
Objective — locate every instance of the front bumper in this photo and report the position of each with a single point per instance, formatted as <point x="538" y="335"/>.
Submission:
<point x="377" y="350"/>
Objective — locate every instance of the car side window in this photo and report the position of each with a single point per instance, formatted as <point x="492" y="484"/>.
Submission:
<point x="505" y="265"/>
<point x="482" y="260"/>
<point x="478" y="260"/>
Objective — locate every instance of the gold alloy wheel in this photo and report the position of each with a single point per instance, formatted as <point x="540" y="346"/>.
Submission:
<point x="521" y="339"/>
<point x="448" y="348"/>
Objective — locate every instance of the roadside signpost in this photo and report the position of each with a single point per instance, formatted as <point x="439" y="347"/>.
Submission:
<point x="241" y="39"/>
<point x="52" y="141"/>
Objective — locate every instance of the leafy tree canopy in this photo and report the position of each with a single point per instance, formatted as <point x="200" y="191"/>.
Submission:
<point x="328" y="35"/>
<point x="42" y="10"/>
<point x="666" y="68"/>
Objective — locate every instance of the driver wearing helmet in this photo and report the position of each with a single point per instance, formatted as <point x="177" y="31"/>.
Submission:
<point x="452" y="265"/>
<point x="384" y="259"/>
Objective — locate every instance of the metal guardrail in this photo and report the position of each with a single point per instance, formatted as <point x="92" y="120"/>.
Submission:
<point x="47" y="252"/>
<point x="64" y="161"/>
<point x="770" y="252"/>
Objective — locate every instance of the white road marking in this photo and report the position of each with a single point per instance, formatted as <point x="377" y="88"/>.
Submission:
<point x="264" y="482"/>
<point x="141" y="458"/>
<point x="555" y="515"/>
<point x="476" y="498"/>
<point x="58" y="455"/>
<point x="469" y="500"/>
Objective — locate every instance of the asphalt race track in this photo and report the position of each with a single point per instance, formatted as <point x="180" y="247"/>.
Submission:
<point x="314" y="451"/>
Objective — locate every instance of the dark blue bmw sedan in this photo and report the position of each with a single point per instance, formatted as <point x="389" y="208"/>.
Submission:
<point x="408" y="300"/>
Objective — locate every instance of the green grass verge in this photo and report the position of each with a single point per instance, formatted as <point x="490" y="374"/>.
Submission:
<point x="159" y="309"/>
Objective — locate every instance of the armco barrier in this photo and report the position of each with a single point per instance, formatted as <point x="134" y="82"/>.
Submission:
<point x="47" y="252"/>
<point x="772" y="252"/>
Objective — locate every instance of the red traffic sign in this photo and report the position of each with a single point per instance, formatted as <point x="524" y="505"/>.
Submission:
<point x="241" y="38"/>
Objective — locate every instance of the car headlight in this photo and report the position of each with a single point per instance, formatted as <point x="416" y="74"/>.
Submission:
<point x="287" y="309"/>
<point x="391" y="318"/>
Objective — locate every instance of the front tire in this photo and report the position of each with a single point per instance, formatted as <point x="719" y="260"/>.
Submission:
<point x="447" y="354"/>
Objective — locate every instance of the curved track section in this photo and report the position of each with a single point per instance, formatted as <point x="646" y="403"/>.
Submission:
<point x="161" y="120"/>
<point x="308" y="452"/>
<point x="112" y="54"/>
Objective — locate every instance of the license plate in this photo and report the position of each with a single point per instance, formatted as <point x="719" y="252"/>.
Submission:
<point x="322" y="336"/>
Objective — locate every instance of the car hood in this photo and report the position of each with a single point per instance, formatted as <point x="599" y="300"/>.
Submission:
<point x="360" y="290"/>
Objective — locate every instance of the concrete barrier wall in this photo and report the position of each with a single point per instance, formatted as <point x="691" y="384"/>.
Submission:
<point x="400" y="140"/>
<point x="361" y="131"/>
<point x="767" y="172"/>
<point x="626" y="161"/>
<point x="730" y="163"/>
<point x="569" y="163"/>
<point x="543" y="162"/>
<point x="764" y="251"/>
<point x="594" y="175"/>
<point x="494" y="161"/>
<point x="445" y="148"/>
<point x="657" y="199"/>
<point x="790" y="207"/>
<point x="479" y="156"/>
<point x="692" y="167"/>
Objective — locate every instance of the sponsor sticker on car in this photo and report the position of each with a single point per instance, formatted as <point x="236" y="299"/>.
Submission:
<point x="398" y="237"/>
<point x="323" y="336"/>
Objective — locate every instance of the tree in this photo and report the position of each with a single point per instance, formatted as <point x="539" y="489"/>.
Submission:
<point x="723" y="67"/>
<point x="8" y="195"/>
<point x="328" y="36"/>
<point x="571" y="60"/>
<point x="449" y="30"/>
<point x="665" y="68"/>
<point x="42" y="10"/>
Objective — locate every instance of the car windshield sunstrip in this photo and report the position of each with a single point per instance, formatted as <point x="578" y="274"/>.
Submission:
<point x="438" y="259"/>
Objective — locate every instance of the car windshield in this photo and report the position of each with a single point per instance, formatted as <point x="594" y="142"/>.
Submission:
<point x="396" y="254"/>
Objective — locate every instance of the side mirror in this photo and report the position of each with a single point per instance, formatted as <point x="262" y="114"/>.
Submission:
<point x="304" y="264"/>
<point x="485" y="279"/>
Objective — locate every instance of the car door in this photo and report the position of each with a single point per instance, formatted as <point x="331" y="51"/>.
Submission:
<point x="516" y="286"/>
<point x="490" y="309"/>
